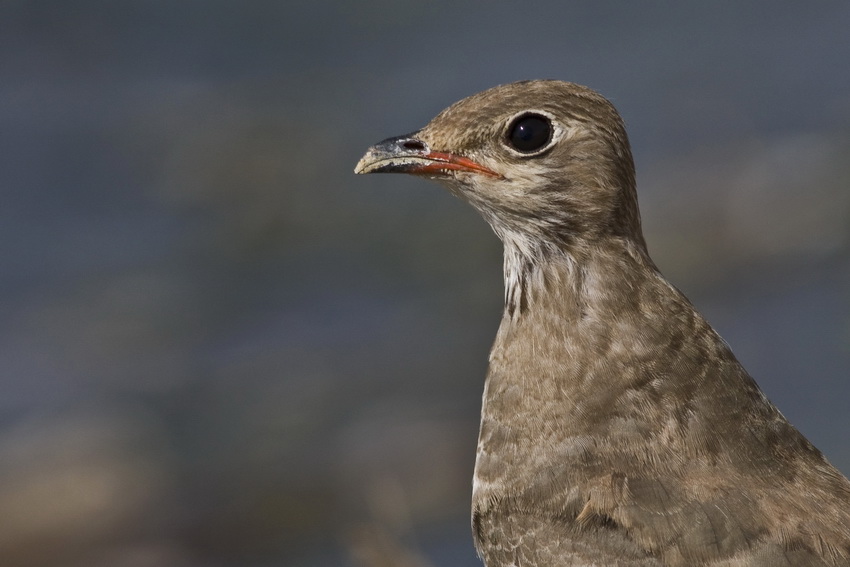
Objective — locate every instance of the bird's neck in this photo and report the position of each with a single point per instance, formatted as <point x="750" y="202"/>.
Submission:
<point x="573" y="279"/>
<point x="568" y="311"/>
<point x="569" y="307"/>
<point x="524" y="258"/>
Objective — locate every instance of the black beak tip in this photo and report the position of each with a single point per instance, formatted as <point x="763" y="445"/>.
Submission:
<point x="393" y="155"/>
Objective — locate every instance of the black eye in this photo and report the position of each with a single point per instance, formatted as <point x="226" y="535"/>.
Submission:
<point x="529" y="132"/>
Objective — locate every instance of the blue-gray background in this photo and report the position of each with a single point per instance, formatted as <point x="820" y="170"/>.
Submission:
<point x="219" y="347"/>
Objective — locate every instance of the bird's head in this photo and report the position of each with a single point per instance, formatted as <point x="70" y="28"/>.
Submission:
<point x="545" y="160"/>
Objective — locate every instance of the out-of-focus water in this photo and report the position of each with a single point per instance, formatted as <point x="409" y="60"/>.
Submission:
<point x="220" y="347"/>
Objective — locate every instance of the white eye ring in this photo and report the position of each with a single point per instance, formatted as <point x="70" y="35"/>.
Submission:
<point x="554" y="136"/>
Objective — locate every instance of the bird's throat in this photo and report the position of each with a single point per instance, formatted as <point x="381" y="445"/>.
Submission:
<point x="576" y="279"/>
<point x="534" y="270"/>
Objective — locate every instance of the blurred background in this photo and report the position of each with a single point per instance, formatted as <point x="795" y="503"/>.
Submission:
<point x="219" y="347"/>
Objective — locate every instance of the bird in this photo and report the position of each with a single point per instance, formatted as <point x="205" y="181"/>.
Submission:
<point x="617" y="427"/>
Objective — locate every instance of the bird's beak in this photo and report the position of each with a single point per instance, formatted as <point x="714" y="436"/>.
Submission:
<point x="409" y="154"/>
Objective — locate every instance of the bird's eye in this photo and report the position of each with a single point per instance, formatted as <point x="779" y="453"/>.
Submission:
<point x="529" y="132"/>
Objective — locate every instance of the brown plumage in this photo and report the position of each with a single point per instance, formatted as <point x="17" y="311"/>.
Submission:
<point x="617" y="427"/>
